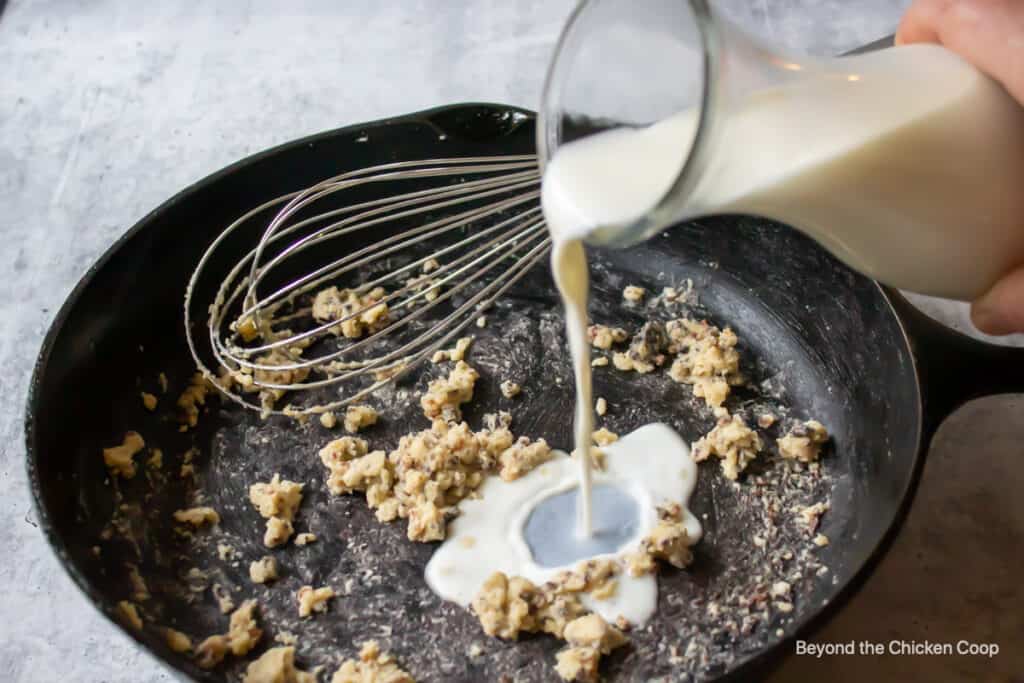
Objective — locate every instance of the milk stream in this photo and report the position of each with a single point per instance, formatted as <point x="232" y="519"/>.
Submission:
<point x="651" y="465"/>
<point x="907" y="164"/>
<point x="569" y="265"/>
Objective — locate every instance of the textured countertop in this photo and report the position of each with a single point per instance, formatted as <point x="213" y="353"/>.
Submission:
<point x="108" y="108"/>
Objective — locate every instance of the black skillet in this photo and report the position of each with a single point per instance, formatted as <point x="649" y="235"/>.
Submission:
<point x="828" y="342"/>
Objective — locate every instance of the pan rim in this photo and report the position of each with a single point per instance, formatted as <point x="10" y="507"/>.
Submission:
<point x="760" y="661"/>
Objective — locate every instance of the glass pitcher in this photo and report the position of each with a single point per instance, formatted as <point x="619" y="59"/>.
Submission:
<point x="906" y="163"/>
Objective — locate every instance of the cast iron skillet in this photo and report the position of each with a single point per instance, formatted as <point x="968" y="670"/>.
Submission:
<point x="829" y="343"/>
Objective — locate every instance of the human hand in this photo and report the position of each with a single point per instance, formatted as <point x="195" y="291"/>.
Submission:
<point x="990" y="35"/>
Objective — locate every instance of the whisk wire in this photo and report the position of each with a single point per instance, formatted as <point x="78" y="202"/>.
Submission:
<point x="436" y="257"/>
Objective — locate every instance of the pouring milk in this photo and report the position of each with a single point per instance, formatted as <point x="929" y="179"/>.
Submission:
<point x="908" y="164"/>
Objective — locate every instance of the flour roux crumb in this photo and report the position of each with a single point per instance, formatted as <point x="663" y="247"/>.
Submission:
<point x="604" y="437"/>
<point x="510" y="389"/>
<point x="732" y="441"/>
<point x="286" y="638"/>
<point x="429" y="473"/>
<point x="507" y="607"/>
<point x="223" y="597"/>
<point x="305" y="539"/>
<point x="357" y="417"/>
<point x="263" y="570"/>
<point x="810" y="515"/>
<point x="118" y="459"/>
<point x="177" y="641"/>
<point x="277" y="665"/>
<point x="371" y="667"/>
<point x="277" y="501"/>
<point x="242" y="636"/>
<point x="803" y="442"/>
<point x="446" y="394"/>
<point x="667" y="541"/>
<point x="129" y="613"/>
<point x="634" y="294"/>
<point x="313" y="599"/>
<point x="706" y="358"/>
<point x="191" y="400"/>
<point x="197" y="516"/>
<point x="456" y="353"/>
<point x="358" y="313"/>
<point x="603" y="337"/>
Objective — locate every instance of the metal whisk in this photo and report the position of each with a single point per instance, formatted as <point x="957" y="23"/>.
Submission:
<point x="428" y="260"/>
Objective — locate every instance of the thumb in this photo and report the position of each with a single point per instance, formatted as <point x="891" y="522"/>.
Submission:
<point x="1001" y="310"/>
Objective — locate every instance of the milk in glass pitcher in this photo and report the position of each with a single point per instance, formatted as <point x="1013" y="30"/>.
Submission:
<point x="906" y="163"/>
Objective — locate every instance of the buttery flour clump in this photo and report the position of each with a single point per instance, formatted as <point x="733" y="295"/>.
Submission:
<point x="149" y="401"/>
<point x="510" y="389"/>
<point x="277" y="501"/>
<point x="810" y="516"/>
<point x="197" y="517"/>
<point x="634" y="294"/>
<point x="522" y="456"/>
<point x="603" y="337"/>
<point x="277" y="665"/>
<point x="424" y="479"/>
<point x="646" y="350"/>
<point x="589" y="637"/>
<point x="359" y="312"/>
<point x="446" y="394"/>
<point x="440" y="466"/>
<point x="456" y="353"/>
<point x="192" y="399"/>
<point x="731" y="440"/>
<point x="352" y="468"/>
<point x="263" y="570"/>
<point x="177" y="641"/>
<point x="508" y="606"/>
<point x="596" y="576"/>
<point x="119" y="458"/>
<point x="357" y="417"/>
<point x="803" y="442"/>
<point x="313" y="599"/>
<point x="371" y="667"/>
<point x="129" y="614"/>
<point x="667" y="541"/>
<point x="275" y="369"/>
<point x="242" y="636"/>
<point x="280" y="375"/>
<point x="706" y="358"/>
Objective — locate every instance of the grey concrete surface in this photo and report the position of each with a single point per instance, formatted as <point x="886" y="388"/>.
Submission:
<point x="107" y="108"/>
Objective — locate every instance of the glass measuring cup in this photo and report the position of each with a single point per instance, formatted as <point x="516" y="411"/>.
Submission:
<point x="906" y="163"/>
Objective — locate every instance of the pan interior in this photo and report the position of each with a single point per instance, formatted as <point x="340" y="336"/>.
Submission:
<point x="817" y="341"/>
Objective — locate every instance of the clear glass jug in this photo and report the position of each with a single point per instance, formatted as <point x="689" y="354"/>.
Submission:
<point x="906" y="163"/>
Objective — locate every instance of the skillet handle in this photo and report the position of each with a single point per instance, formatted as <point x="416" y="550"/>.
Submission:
<point x="954" y="368"/>
<point x="880" y="44"/>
